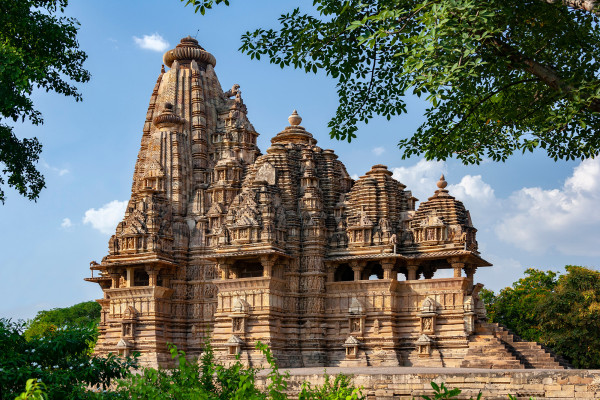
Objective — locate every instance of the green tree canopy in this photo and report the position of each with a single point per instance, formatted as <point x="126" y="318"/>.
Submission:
<point x="82" y="314"/>
<point x="570" y="317"/>
<point x="500" y="76"/>
<point x="38" y="49"/>
<point x="517" y="307"/>
<point x="559" y="311"/>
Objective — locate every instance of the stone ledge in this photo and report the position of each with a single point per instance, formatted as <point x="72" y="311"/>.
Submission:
<point x="407" y="382"/>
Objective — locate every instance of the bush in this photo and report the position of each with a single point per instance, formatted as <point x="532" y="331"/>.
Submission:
<point x="61" y="359"/>
<point x="208" y="380"/>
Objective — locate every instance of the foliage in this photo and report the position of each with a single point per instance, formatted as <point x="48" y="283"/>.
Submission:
<point x="182" y="382"/>
<point x="205" y="379"/>
<point x="34" y="390"/>
<point x="441" y="392"/>
<point x="570" y="317"/>
<point x="82" y="314"/>
<point x="494" y="83"/>
<point x="517" y="307"/>
<point x="558" y="311"/>
<point x="60" y="360"/>
<point x="340" y="389"/>
<point x="38" y="49"/>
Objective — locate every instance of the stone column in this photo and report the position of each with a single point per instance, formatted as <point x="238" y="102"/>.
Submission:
<point x="330" y="268"/>
<point x="129" y="280"/>
<point x="225" y="268"/>
<point x="388" y="266"/>
<point x="152" y="276"/>
<point x="470" y="272"/>
<point x="357" y="268"/>
<point x="428" y="272"/>
<point x="115" y="280"/>
<point x="267" y="263"/>
<point x="412" y="272"/>
<point x="457" y="266"/>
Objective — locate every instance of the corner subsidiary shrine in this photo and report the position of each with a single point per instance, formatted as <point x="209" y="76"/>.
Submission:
<point x="285" y="248"/>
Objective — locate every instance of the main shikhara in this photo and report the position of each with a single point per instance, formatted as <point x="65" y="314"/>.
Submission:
<point x="285" y="248"/>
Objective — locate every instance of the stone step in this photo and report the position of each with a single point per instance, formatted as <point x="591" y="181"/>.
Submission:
<point x="532" y="354"/>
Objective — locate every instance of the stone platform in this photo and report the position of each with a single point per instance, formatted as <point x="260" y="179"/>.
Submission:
<point x="387" y="383"/>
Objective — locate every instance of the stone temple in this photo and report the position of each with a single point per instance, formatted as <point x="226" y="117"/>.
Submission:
<point x="285" y="248"/>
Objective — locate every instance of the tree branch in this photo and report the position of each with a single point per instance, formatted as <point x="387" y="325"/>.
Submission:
<point x="591" y="6"/>
<point x="546" y="74"/>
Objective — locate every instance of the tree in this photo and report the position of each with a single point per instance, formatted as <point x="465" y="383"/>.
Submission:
<point x="500" y="76"/>
<point x="570" y="317"/>
<point x="38" y="49"/>
<point x="60" y="359"/>
<point x="517" y="307"/>
<point x="559" y="311"/>
<point x="82" y="314"/>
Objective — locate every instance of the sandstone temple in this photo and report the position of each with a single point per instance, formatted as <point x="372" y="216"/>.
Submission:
<point x="222" y="241"/>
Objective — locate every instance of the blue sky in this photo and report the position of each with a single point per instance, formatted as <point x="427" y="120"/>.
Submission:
<point x="530" y="211"/>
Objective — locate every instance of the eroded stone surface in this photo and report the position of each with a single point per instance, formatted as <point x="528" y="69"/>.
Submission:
<point x="284" y="247"/>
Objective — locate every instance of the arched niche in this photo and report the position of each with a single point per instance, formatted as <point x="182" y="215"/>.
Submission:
<point x="140" y="278"/>
<point x="251" y="268"/>
<point x="373" y="271"/>
<point x="343" y="273"/>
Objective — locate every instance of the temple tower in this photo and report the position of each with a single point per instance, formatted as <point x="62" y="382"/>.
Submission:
<point x="196" y="146"/>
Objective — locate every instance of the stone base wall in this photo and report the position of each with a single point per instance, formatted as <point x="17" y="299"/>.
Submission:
<point x="409" y="383"/>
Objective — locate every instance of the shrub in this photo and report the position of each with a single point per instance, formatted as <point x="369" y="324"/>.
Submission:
<point x="60" y="359"/>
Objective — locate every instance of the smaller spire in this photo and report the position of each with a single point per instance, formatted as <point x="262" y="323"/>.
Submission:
<point x="442" y="182"/>
<point x="295" y="119"/>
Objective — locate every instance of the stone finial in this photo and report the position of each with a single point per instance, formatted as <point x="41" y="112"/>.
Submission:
<point x="295" y="119"/>
<point x="442" y="182"/>
<point x="187" y="50"/>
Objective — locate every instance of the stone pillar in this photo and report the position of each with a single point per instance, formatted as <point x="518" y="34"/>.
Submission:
<point x="457" y="268"/>
<point x="129" y="279"/>
<point x="225" y="269"/>
<point x="470" y="272"/>
<point x="152" y="276"/>
<point x="428" y="272"/>
<point x="115" y="280"/>
<point x="388" y="266"/>
<point x="412" y="272"/>
<point x="357" y="268"/>
<point x="330" y="268"/>
<point x="267" y="263"/>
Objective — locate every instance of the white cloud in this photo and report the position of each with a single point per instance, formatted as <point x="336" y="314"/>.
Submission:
<point x="565" y="219"/>
<point x="66" y="223"/>
<point x="106" y="218"/>
<point x="420" y="178"/>
<point x="154" y="42"/>
<point x="472" y="187"/>
<point x="354" y="176"/>
<point x="378" y="151"/>
<point x="59" y="171"/>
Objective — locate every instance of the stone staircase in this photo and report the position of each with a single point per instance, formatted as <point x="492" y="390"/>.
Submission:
<point x="493" y="346"/>
<point x="487" y="351"/>
<point x="534" y="355"/>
